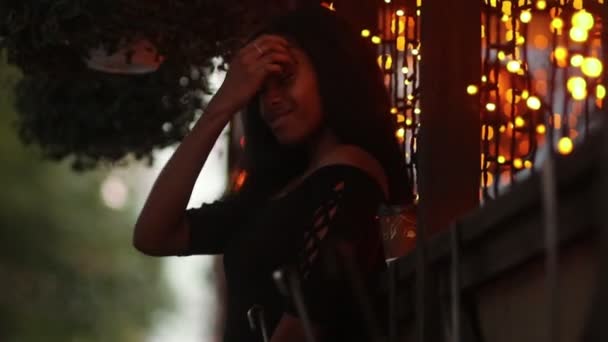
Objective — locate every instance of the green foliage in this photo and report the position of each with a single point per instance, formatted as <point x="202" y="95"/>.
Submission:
<point x="69" y="110"/>
<point x="68" y="271"/>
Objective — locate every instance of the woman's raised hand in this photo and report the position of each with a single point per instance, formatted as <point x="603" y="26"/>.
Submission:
<point x="264" y="56"/>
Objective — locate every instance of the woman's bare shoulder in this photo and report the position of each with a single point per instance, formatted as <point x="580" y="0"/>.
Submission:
<point x="358" y="157"/>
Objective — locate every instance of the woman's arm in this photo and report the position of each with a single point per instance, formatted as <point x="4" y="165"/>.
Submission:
<point x="161" y="228"/>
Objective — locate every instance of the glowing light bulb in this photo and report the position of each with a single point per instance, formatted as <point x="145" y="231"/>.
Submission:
<point x="577" y="87"/>
<point x="519" y="122"/>
<point x="518" y="163"/>
<point x="501" y="159"/>
<point x="415" y="52"/>
<point x="400" y="13"/>
<point x="400" y="118"/>
<point x="502" y="129"/>
<point x="533" y="103"/>
<point x="528" y="164"/>
<point x="557" y="23"/>
<point x="417" y="111"/>
<point x="365" y="33"/>
<point x="583" y="20"/>
<point x="541" y="4"/>
<point x="408" y="122"/>
<point x="592" y="67"/>
<point x="400" y="133"/>
<point x="484" y="78"/>
<point x="387" y="1"/>
<point x="541" y="129"/>
<point x="394" y="110"/>
<point x="576" y="60"/>
<point x="405" y="70"/>
<point x="472" y="89"/>
<point x="565" y="146"/>
<point x="513" y="66"/>
<point x="525" y="94"/>
<point x="490" y="107"/>
<point x="525" y="16"/>
<point x="560" y="53"/>
<point x="376" y="40"/>
<point x="600" y="91"/>
<point x="501" y="55"/>
<point x="578" y="34"/>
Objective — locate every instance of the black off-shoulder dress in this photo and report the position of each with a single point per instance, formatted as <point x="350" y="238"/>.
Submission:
<point x="325" y="229"/>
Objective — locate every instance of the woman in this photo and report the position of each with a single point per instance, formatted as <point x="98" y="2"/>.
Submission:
<point x="321" y="156"/>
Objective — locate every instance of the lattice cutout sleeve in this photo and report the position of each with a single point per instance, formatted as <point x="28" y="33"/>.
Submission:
<point x="342" y="228"/>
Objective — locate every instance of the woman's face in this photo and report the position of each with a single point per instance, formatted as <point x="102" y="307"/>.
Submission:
<point x="290" y="103"/>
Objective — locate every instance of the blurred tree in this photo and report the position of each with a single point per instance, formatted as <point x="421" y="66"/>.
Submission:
<point x="68" y="271"/>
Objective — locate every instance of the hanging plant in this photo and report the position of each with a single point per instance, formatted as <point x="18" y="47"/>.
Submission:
<point x="145" y="102"/>
<point x="101" y="117"/>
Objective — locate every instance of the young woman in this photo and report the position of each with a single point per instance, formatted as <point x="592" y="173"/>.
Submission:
<point x="321" y="156"/>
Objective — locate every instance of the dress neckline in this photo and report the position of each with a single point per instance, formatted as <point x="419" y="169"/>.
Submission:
<point x="313" y="174"/>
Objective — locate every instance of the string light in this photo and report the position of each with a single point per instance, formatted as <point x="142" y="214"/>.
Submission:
<point x="400" y="13"/>
<point x="576" y="60"/>
<point x="519" y="122"/>
<point x="533" y="103"/>
<point x="541" y="4"/>
<point x="525" y="16"/>
<point x="565" y="146"/>
<point x="541" y="129"/>
<point x="557" y="23"/>
<point x="365" y="33"/>
<point x="528" y="164"/>
<point x="513" y="66"/>
<point x="518" y="163"/>
<point x="491" y="107"/>
<point x="592" y="67"/>
<point x="376" y="40"/>
<point x="583" y="20"/>
<point x="501" y="159"/>
<point x="600" y="92"/>
<point x="472" y="89"/>
<point x="578" y="34"/>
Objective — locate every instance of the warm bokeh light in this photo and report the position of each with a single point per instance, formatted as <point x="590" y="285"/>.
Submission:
<point x="400" y="43"/>
<point x="525" y="16"/>
<point x="472" y="89"/>
<point x="400" y="133"/>
<point x="513" y="66"/>
<point x="565" y="146"/>
<point x="528" y="164"/>
<point x="415" y="52"/>
<point x="578" y="34"/>
<point x="365" y="33"/>
<point x="592" y="67"/>
<point x="583" y="20"/>
<point x="394" y="110"/>
<point x="519" y="122"/>
<point x="491" y="107"/>
<point x="405" y="70"/>
<point x="501" y="55"/>
<point x="400" y="118"/>
<point x="511" y="96"/>
<point x="408" y="122"/>
<point x="489" y="132"/>
<point x="376" y="40"/>
<point x="576" y="60"/>
<point x="518" y="163"/>
<point x="600" y="91"/>
<point x="501" y="159"/>
<point x="541" y="4"/>
<point x="560" y="53"/>
<point x="417" y="111"/>
<point x="400" y="13"/>
<point x="541" y="129"/>
<point x="502" y="129"/>
<point x="484" y="78"/>
<point x="577" y="87"/>
<point x="533" y="103"/>
<point x="557" y="23"/>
